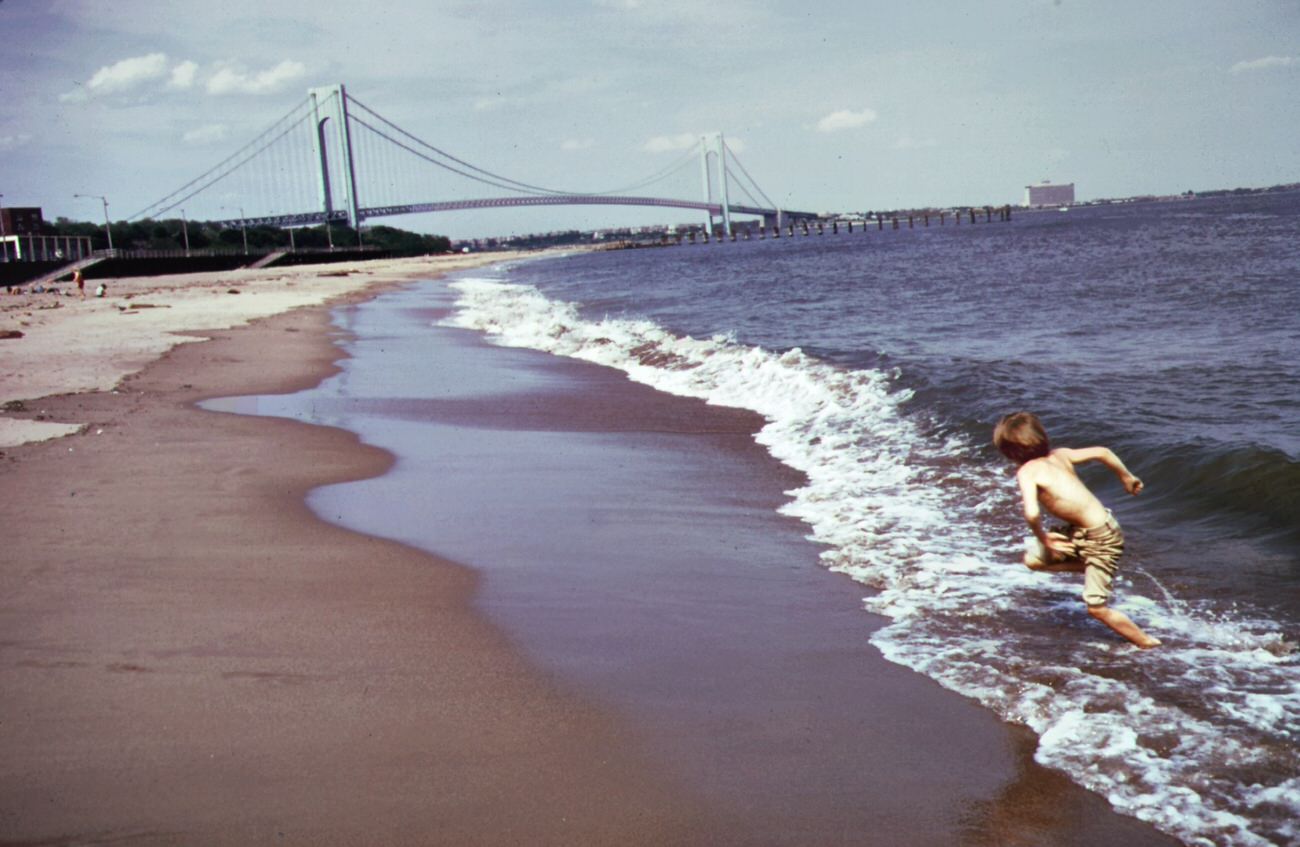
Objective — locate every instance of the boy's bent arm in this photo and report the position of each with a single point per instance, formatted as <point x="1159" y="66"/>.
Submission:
<point x="1108" y="458"/>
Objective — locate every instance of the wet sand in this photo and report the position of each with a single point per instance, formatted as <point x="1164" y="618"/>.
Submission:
<point x="192" y="657"/>
<point x="630" y="545"/>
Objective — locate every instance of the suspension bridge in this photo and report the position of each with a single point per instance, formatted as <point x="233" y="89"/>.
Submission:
<point x="333" y="159"/>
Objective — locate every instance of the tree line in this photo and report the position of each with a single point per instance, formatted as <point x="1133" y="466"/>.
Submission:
<point x="171" y="234"/>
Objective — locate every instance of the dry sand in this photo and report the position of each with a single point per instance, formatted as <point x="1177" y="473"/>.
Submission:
<point x="70" y="344"/>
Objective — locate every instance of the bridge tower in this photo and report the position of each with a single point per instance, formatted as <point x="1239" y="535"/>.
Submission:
<point x="721" y="150"/>
<point x="714" y="148"/>
<point x="708" y="188"/>
<point x="330" y="105"/>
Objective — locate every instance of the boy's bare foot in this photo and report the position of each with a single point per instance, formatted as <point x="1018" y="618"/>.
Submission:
<point x="1120" y="622"/>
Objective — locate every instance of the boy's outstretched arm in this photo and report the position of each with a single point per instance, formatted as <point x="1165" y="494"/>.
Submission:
<point x="1108" y="458"/>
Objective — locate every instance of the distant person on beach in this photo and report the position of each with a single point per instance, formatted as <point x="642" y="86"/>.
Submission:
<point x="81" y="283"/>
<point x="1092" y="541"/>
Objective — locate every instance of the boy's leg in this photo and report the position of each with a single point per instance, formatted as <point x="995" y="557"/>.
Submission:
<point x="1124" y="625"/>
<point x="1096" y="591"/>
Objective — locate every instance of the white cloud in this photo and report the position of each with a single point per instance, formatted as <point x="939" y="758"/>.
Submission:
<point x="208" y="134"/>
<point x="575" y="144"/>
<point x="845" y="119"/>
<point x="671" y="143"/>
<point x="120" y="76"/>
<point x="1264" y="64"/>
<point x="234" y="79"/>
<point x="183" y="75"/>
<point x="132" y="75"/>
<point x="128" y="74"/>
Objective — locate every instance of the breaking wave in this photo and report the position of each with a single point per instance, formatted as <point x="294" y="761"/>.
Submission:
<point x="1198" y="738"/>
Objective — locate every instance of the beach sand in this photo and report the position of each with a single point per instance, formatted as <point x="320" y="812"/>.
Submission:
<point x="70" y="344"/>
<point x="192" y="657"/>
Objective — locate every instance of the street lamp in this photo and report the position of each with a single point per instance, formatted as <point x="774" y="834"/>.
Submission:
<point x="185" y="231"/>
<point x="244" y="229"/>
<point x="107" y="230"/>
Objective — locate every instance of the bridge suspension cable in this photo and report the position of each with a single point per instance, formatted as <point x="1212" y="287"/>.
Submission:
<point x="491" y="178"/>
<point x="687" y="158"/>
<point x="733" y="158"/>
<point x="494" y="179"/>
<point x="224" y="168"/>
<point x="431" y="160"/>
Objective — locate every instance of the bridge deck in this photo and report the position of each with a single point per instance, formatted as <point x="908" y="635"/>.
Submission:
<point x="340" y="216"/>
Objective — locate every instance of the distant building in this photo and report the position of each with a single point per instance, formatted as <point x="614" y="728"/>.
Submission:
<point x="20" y="221"/>
<point x="1047" y="194"/>
<point x="21" y="239"/>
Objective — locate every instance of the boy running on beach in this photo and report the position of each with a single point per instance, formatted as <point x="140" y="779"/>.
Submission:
<point x="1093" y="541"/>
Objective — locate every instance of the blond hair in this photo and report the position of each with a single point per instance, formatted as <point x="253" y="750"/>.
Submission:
<point x="1021" y="437"/>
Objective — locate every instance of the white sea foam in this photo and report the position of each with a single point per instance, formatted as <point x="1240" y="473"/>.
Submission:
<point x="1202" y="746"/>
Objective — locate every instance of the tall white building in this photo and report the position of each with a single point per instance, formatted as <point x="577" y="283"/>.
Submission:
<point x="1047" y="194"/>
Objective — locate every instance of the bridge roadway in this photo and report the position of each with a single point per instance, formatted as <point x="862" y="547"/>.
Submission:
<point x="341" y="216"/>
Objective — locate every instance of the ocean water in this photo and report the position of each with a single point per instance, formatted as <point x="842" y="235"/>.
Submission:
<point x="880" y="361"/>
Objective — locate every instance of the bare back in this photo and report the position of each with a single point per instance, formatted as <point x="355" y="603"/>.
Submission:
<point x="1058" y="488"/>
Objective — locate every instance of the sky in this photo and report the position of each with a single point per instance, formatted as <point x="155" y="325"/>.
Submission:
<point x="830" y="106"/>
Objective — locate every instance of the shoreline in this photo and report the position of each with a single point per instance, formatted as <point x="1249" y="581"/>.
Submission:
<point x="55" y="344"/>
<point x="629" y="542"/>
<point x="193" y="656"/>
